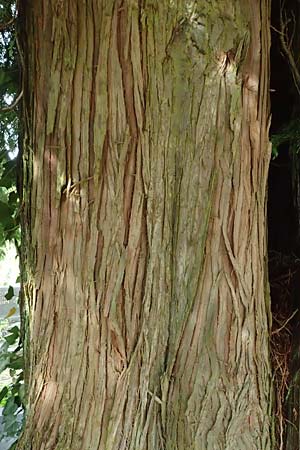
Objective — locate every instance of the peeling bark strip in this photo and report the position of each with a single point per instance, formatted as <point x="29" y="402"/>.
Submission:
<point x="145" y="165"/>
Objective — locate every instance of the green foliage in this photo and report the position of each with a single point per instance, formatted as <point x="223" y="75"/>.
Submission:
<point x="11" y="351"/>
<point x="12" y="395"/>
<point x="288" y="134"/>
<point x="9" y="125"/>
<point x="10" y="293"/>
<point x="9" y="220"/>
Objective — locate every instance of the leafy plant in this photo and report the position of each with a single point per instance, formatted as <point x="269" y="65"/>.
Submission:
<point x="11" y="351"/>
<point x="12" y="395"/>
<point x="11" y="364"/>
<point x="10" y="88"/>
<point x="288" y="134"/>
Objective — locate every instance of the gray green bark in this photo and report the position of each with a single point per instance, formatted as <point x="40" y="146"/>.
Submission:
<point x="144" y="215"/>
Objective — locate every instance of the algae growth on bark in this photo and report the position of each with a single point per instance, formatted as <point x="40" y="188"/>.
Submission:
<point x="145" y="162"/>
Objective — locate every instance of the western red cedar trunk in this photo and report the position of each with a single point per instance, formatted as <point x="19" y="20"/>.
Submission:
<point x="145" y="163"/>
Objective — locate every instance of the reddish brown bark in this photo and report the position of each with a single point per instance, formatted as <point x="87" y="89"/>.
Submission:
<point x="145" y="174"/>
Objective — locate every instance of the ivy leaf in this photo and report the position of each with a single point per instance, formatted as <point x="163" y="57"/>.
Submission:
<point x="3" y="393"/>
<point x="17" y="364"/>
<point x="9" y="295"/>
<point x="13" y="336"/>
<point x="5" y="212"/>
<point x="10" y="408"/>
<point x="14" y="330"/>
<point x="11" y="339"/>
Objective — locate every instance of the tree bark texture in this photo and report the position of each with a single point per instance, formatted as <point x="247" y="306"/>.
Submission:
<point x="145" y="165"/>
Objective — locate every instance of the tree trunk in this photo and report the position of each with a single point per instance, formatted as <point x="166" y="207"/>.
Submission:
<point x="145" y="164"/>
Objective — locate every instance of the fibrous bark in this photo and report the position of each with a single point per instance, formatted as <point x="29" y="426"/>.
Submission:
<point x="145" y="167"/>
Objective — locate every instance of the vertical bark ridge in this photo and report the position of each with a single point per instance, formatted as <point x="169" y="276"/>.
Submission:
<point x="148" y="319"/>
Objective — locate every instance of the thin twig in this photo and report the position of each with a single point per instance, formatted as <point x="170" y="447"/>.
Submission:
<point x="276" y="30"/>
<point x="285" y="323"/>
<point x="4" y="26"/>
<point x="13" y="105"/>
<point x="286" y="45"/>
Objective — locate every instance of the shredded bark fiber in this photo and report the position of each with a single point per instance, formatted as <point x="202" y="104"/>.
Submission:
<point x="283" y="273"/>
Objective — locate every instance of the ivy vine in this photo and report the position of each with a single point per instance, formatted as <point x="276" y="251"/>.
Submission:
<point x="11" y="346"/>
